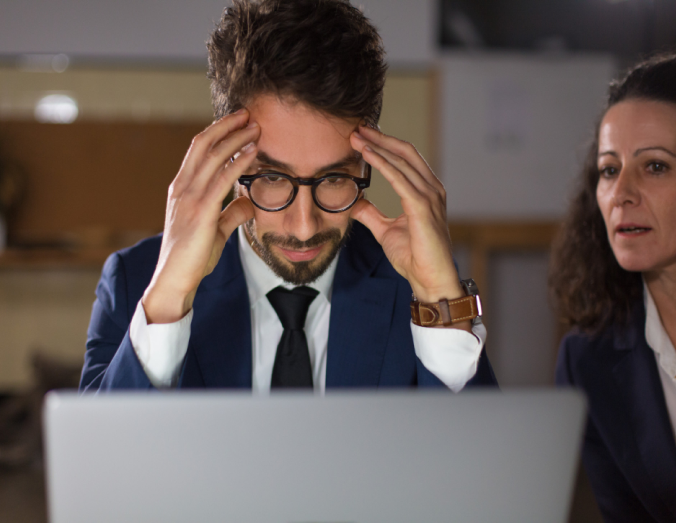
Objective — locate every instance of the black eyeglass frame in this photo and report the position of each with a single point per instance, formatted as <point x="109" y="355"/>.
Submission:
<point x="362" y="183"/>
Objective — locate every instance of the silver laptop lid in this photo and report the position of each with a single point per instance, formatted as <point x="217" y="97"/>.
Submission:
<point x="349" y="457"/>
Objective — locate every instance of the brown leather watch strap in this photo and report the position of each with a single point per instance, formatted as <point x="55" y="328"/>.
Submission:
<point x="445" y="312"/>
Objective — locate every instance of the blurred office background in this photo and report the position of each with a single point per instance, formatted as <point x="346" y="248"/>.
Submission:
<point x="99" y="102"/>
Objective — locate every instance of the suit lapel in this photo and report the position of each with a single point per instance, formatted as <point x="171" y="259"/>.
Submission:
<point x="638" y="380"/>
<point x="362" y="306"/>
<point x="221" y="326"/>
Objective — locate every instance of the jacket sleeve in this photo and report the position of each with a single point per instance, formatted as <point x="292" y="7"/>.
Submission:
<point x="484" y="377"/>
<point x="616" y="500"/>
<point x="110" y="359"/>
<point x="615" y="497"/>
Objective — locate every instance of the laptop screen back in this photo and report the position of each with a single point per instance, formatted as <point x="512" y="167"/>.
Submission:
<point x="348" y="457"/>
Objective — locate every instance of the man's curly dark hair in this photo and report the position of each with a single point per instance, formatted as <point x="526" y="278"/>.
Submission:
<point x="324" y="53"/>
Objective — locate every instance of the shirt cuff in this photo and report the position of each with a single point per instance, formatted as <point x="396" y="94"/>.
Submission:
<point x="160" y="347"/>
<point x="452" y="355"/>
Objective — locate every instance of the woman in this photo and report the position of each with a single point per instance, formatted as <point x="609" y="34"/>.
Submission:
<point x="613" y="277"/>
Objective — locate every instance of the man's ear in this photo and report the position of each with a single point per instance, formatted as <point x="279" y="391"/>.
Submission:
<point x="372" y="125"/>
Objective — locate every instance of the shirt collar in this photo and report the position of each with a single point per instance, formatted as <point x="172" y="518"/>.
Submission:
<point x="260" y="279"/>
<point x="656" y="336"/>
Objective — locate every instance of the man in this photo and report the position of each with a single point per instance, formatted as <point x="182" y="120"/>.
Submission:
<point x="282" y="288"/>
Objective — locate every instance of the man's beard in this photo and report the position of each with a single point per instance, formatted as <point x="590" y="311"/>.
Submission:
<point x="300" y="272"/>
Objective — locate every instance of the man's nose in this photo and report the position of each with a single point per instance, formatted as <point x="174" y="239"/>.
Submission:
<point x="625" y="190"/>
<point x="302" y="218"/>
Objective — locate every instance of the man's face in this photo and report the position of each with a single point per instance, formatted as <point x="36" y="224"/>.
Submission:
<point x="298" y="242"/>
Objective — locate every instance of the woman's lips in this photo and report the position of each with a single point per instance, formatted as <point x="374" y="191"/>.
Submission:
<point x="630" y="230"/>
<point x="304" y="255"/>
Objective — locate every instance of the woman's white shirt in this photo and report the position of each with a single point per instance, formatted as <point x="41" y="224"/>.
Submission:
<point x="665" y="354"/>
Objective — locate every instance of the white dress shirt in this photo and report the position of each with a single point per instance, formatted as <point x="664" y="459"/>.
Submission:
<point x="661" y="344"/>
<point x="450" y="354"/>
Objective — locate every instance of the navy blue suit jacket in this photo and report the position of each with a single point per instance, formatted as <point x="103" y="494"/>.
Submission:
<point x="629" y="451"/>
<point x="370" y="342"/>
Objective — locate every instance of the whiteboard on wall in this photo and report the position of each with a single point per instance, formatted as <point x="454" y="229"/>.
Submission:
<point x="176" y="30"/>
<point x="514" y="130"/>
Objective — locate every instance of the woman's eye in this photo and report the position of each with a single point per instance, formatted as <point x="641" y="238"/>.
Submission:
<point x="607" y="171"/>
<point x="657" y="167"/>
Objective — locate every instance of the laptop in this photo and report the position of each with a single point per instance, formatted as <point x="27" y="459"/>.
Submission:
<point x="352" y="457"/>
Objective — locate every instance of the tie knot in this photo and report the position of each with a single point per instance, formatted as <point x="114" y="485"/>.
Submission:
<point x="292" y="306"/>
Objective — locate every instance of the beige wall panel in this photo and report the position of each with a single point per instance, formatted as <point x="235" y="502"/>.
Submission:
<point x="46" y="311"/>
<point x="135" y="96"/>
<point x="407" y="114"/>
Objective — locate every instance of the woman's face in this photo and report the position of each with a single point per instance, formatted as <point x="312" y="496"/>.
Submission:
<point x="636" y="191"/>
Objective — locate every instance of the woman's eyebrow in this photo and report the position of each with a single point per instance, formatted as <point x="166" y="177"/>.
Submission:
<point x="608" y="153"/>
<point x="654" y="148"/>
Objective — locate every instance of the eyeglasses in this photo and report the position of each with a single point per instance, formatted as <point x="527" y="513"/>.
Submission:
<point x="333" y="192"/>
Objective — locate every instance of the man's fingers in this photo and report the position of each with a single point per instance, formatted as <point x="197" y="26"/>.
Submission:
<point x="218" y="157"/>
<point x="401" y="165"/>
<point x="238" y="211"/>
<point x="404" y="150"/>
<point x="204" y="141"/>
<point x="220" y="129"/>
<point x="368" y="214"/>
<point x="412" y="199"/>
<point x="229" y="172"/>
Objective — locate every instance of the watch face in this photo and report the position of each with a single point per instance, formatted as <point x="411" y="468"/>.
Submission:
<point x="471" y="288"/>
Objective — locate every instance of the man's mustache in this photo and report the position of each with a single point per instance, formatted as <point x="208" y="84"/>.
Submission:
<point x="291" y="242"/>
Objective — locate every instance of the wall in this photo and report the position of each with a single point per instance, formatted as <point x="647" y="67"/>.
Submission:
<point x="174" y="31"/>
<point x="514" y="129"/>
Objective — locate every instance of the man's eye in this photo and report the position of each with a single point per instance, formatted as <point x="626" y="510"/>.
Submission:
<point x="273" y="180"/>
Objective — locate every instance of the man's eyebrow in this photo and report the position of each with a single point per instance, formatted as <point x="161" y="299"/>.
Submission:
<point x="656" y="147"/>
<point x="263" y="158"/>
<point x="351" y="159"/>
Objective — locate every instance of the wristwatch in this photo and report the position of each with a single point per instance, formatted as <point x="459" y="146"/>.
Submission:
<point x="446" y="312"/>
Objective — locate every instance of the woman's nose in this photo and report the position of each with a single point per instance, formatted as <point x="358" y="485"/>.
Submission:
<point x="625" y="190"/>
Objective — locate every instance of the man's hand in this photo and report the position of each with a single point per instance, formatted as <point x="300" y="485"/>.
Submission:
<point x="417" y="243"/>
<point x="195" y="228"/>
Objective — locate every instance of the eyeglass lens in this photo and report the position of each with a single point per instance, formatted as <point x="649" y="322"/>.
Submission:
<point x="271" y="192"/>
<point x="333" y="193"/>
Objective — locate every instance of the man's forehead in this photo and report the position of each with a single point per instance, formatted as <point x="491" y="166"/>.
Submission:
<point x="299" y="136"/>
<point x="273" y="109"/>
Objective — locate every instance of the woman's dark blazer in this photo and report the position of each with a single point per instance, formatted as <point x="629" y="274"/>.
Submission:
<point x="629" y="451"/>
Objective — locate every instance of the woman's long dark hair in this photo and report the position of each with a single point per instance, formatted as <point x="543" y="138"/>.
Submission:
<point x="590" y="289"/>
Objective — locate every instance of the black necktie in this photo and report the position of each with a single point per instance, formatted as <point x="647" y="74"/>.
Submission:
<point x="292" y="363"/>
